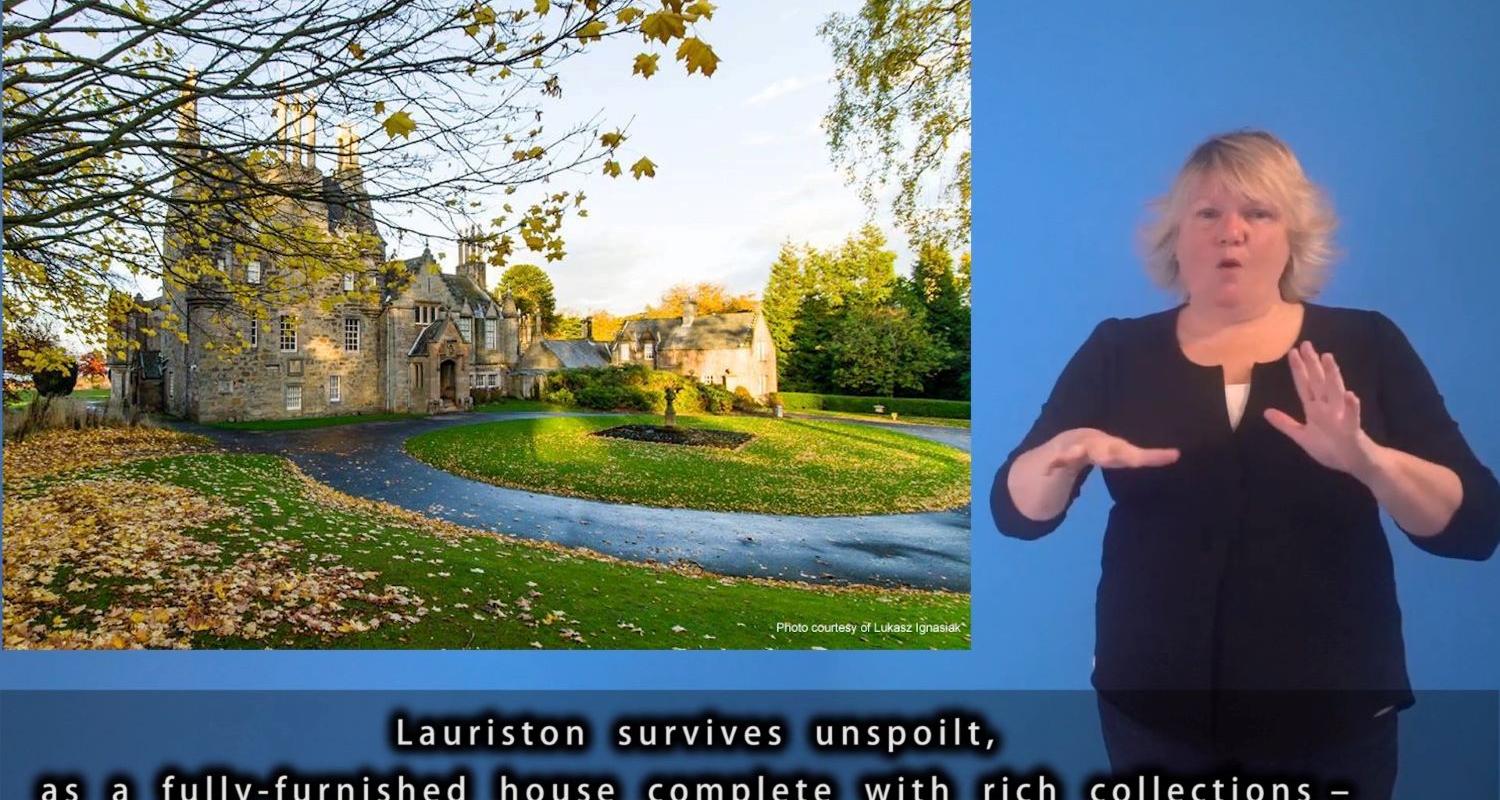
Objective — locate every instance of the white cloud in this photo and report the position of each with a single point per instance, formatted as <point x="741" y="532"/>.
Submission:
<point x="785" y="86"/>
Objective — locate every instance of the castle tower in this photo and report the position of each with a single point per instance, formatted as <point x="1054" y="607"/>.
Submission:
<point x="471" y="256"/>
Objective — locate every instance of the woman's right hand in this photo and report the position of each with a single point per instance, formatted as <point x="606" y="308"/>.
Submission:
<point x="1072" y="450"/>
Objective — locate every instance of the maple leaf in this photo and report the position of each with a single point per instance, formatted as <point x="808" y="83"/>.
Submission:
<point x="701" y="8"/>
<point x="543" y="5"/>
<point x="610" y="140"/>
<point x="399" y="124"/>
<point x="591" y="31"/>
<point x="644" y="167"/>
<point x="663" y="25"/>
<point x="699" y="56"/>
<point x="356" y="51"/>
<point x="645" y="65"/>
<point x="628" y="15"/>
<point x="612" y="168"/>
<point x="379" y="106"/>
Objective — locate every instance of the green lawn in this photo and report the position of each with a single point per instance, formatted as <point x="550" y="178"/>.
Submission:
<point x="254" y="555"/>
<point x="301" y="423"/>
<point x="27" y="395"/>
<point x="793" y="466"/>
<point x="513" y="404"/>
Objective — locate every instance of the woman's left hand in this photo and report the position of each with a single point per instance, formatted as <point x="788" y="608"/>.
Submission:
<point x="1332" y="434"/>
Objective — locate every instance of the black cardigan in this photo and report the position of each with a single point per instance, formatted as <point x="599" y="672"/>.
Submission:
<point x="1247" y="595"/>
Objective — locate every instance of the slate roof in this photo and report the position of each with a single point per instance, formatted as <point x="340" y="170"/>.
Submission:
<point x="708" y="331"/>
<point x="347" y="203"/>
<point x="577" y="353"/>
<point x="467" y="291"/>
<point x="429" y="334"/>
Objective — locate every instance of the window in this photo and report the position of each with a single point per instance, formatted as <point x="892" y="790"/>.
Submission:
<point x="288" y="334"/>
<point x="348" y="281"/>
<point x="254" y="334"/>
<point x="294" y="398"/>
<point x="489" y="336"/>
<point x="333" y="389"/>
<point x="252" y="272"/>
<point x="624" y="351"/>
<point x="648" y="351"/>
<point x="351" y="334"/>
<point x="426" y="314"/>
<point x="466" y="328"/>
<point x="417" y="375"/>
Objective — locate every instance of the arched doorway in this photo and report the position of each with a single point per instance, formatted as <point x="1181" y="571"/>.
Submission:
<point x="448" y="381"/>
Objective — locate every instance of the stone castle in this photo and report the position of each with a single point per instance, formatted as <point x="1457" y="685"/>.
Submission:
<point x="398" y="336"/>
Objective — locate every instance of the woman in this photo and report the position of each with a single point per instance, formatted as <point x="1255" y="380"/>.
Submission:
<point x="1247" y="607"/>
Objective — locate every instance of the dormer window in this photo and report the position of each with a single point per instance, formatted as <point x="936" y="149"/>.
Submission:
<point x="426" y="314"/>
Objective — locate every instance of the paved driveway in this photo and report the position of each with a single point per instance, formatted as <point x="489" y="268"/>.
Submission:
<point x="929" y="550"/>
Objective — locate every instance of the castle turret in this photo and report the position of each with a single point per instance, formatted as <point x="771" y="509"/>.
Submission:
<point x="187" y="119"/>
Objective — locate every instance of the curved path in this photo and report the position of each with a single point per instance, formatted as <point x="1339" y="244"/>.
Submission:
<point x="927" y="550"/>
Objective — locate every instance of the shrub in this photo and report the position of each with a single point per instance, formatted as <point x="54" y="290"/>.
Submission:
<point x="744" y="401"/>
<point x="715" y="399"/>
<point x="562" y="397"/>
<point x="906" y="406"/>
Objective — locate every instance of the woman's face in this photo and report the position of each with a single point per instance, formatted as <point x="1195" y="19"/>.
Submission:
<point x="1231" y="249"/>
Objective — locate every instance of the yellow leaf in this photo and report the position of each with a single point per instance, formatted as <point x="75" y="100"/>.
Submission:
<point x="663" y="25"/>
<point x="543" y="5"/>
<point x="379" y="106"/>
<point x="356" y="51"/>
<point x="612" y="140"/>
<point x="591" y="31"/>
<point x="643" y="167"/>
<point x="628" y="15"/>
<point x="698" y="55"/>
<point x="612" y="168"/>
<point x="399" y="124"/>
<point x="702" y="8"/>
<point x="645" y="65"/>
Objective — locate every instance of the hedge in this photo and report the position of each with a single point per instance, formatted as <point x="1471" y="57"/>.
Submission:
<point x="908" y="406"/>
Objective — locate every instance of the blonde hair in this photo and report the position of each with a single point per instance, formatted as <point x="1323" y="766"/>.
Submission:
<point x="1260" y="166"/>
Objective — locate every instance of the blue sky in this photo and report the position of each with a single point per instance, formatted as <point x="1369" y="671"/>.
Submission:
<point x="741" y="162"/>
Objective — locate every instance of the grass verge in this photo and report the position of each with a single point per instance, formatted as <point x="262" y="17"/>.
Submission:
<point x="804" y="467"/>
<point x="243" y="551"/>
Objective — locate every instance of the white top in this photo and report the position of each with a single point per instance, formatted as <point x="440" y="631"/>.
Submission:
<point x="1235" y="397"/>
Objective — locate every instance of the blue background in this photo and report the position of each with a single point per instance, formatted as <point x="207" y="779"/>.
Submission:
<point x="1083" y="113"/>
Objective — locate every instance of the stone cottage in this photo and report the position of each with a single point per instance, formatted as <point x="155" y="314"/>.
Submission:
<point x="732" y="349"/>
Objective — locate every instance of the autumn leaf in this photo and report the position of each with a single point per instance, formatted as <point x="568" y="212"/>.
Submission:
<point x="379" y="106"/>
<point x="643" y="167"/>
<point x="592" y="30"/>
<point x="663" y="25"/>
<point x="399" y="124"/>
<point x="356" y="51"/>
<point x="612" y="140"/>
<point x="612" y="168"/>
<point x="699" y="56"/>
<point x="645" y="65"/>
<point x="543" y="5"/>
<point x="628" y="15"/>
<point x="701" y="8"/>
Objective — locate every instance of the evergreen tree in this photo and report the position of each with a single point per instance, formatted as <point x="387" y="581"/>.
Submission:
<point x="946" y="318"/>
<point x="783" y="296"/>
